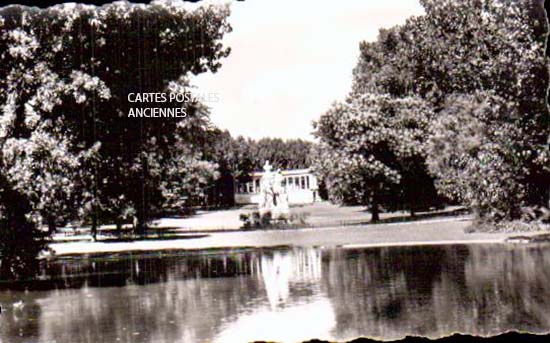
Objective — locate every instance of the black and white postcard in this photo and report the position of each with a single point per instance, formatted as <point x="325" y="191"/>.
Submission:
<point x="282" y="171"/>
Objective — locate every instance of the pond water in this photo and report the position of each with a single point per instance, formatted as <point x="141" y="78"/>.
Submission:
<point x="283" y="294"/>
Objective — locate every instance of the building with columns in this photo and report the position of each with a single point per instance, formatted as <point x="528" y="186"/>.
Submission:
<point x="300" y="185"/>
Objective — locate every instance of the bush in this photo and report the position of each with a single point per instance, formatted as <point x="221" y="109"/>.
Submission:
<point x="255" y="220"/>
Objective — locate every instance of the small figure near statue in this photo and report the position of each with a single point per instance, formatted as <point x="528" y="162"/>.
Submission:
<point x="273" y="195"/>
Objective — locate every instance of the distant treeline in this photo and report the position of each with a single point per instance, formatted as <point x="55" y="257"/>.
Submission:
<point x="243" y="155"/>
<point x="237" y="157"/>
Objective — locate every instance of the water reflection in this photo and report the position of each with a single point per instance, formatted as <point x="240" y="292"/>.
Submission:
<point x="283" y="295"/>
<point x="298" y="308"/>
<point x="298" y="270"/>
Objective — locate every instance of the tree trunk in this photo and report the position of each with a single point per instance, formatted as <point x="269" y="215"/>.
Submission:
<point x="375" y="210"/>
<point x="375" y="213"/>
<point x="94" y="227"/>
<point x="140" y="230"/>
<point x="139" y="223"/>
<point x="143" y="207"/>
<point x="118" y="221"/>
<point x="51" y="225"/>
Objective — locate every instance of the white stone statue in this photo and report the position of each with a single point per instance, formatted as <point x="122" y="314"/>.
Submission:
<point x="273" y="197"/>
<point x="280" y="191"/>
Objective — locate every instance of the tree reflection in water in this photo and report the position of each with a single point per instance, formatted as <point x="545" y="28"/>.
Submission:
<point x="297" y="309"/>
<point x="298" y="270"/>
<point x="283" y="294"/>
<point x="435" y="291"/>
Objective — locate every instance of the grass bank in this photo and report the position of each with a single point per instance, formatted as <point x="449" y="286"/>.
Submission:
<point x="428" y="232"/>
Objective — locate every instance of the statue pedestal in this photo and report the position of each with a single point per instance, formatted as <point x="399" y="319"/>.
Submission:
<point x="274" y="200"/>
<point x="281" y="210"/>
<point x="276" y="212"/>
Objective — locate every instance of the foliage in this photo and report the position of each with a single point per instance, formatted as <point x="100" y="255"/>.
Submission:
<point x="372" y="151"/>
<point x="238" y="157"/>
<point x="245" y="154"/>
<point x="265" y="221"/>
<point x="480" y="66"/>
<point x="475" y="157"/>
<point x="68" y="150"/>
<point x="38" y="160"/>
<point x="488" y="66"/>
<point x="20" y="241"/>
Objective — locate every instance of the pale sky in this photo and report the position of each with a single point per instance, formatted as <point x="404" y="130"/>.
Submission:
<point x="291" y="59"/>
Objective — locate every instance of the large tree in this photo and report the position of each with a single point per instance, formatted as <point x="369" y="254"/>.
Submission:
<point x="68" y="146"/>
<point x="159" y="47"/>
<point x="372" y="152"/>
<point x="480" y="65"/>
<point x="483" y="62"/>
<point x="38" y="158"/>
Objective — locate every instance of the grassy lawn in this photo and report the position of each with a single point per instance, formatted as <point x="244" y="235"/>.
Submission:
<point x="317" y="215"/>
